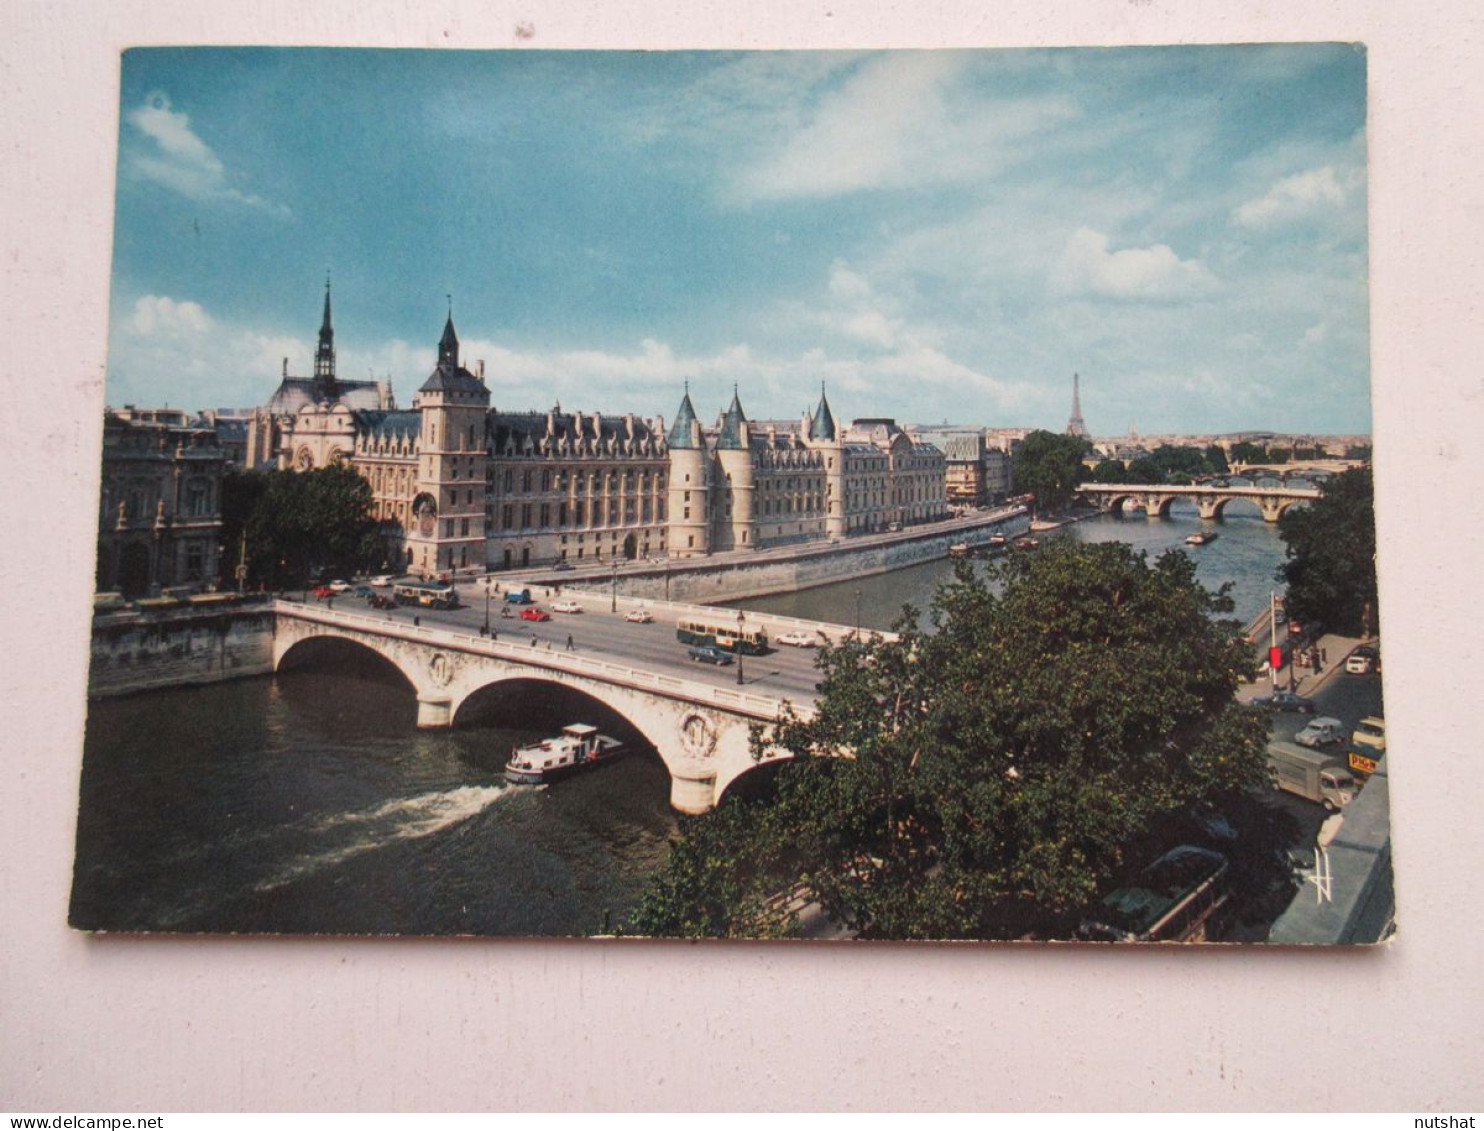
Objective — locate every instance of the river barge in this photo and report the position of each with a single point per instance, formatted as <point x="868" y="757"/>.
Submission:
<point x="579" y="747"/>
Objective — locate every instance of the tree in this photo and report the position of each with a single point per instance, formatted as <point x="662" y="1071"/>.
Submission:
<point x="1216" y="459"/>
<point x="300" y="523"/>
<point x="1330" y="565"/>
<point x="1049" y="466"/>
<point x="1245" y="451"/>
<point x="987" y="778"/>
<point x="1109" y="471"/>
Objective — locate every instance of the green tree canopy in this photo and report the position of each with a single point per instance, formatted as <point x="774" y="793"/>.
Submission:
<point x="1049" y="466"/>
<point x="1331" y="556"/>
<point x="1109" y="471"/>
<point x="984" y="779"/>
<point x="299" y="524"/>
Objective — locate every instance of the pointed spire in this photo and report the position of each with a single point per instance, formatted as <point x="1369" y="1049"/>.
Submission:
<point x="823" y="427"/>
<point x="448" y="345"/>
<point x="682" y="435"/>
<point x="324" y="357"/>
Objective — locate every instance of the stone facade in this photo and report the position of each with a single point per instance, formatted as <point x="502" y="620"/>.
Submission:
<point x="159" y="519"/>
<point x="460" y="485"/>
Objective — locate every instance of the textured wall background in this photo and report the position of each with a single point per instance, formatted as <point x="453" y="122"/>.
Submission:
<point x="115" y="1023"/>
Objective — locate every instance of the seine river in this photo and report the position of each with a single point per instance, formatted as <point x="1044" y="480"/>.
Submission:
<point x="309" y="802"/>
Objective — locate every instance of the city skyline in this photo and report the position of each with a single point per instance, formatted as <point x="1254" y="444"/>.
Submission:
<point x="936" y="235"/>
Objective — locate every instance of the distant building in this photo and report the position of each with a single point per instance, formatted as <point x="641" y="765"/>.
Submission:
<point x="159" y="521"/>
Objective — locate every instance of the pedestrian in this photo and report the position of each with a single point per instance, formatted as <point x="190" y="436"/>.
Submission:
<point x="1324" y="655"/>
<point x="569" y="643"/>
<point x="533" y="640"/>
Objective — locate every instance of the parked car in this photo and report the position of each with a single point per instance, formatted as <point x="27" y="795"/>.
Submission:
<point x="1323" y="731"/>
<point x="323" y="591"/>
<point x="380" y="601"/>
<point x="798" y="639"/>
<point x="1286" y="701"/>
<point x="1363" y="660"/>
<point x="639" y="616"/>
<point x="339" y="586"/>
<point x="362" y="591"/>
<point x="562" y="566"/>
<point x="382" y="581"/>
<point x="709" y="654"/>
<point x="533" y="613"/>
<point x="566" y="607"/>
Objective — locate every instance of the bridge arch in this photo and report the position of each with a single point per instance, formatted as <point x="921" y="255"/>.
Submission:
<point x="330" y="650"/>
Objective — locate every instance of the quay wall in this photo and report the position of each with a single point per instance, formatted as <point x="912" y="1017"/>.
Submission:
<point x="707" y="582"/>
<point x="146" y="650"/>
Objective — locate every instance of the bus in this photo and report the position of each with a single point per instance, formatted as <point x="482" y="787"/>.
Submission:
<point x="747" y="641"/>
<point x="427" y="594"/>
<point x="1174" y="899"/>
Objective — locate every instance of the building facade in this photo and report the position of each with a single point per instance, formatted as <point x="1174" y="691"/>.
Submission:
<point x="458" y="484"/>
<point x="160" y="516"/>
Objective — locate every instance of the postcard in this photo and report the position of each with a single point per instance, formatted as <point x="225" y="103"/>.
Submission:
<point x="885" y="495"/>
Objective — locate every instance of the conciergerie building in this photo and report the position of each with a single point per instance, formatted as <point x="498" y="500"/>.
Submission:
<point x="458" y="484"/>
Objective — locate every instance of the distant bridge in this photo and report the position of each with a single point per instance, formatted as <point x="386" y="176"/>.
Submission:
<point x="1211" y="502"/>
<point x="700" y="730"/>
<point x="1299" y="469"/>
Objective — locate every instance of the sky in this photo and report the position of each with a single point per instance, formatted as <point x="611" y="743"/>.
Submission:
<point x="933" y="235"/>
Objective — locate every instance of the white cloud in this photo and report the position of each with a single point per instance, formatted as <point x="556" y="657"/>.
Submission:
<point x="1316" y="334"/>
<point x="1297" y="197"/>
<point x="899" y="120"/>
<point x="161" y="316"/>
<point x="178" y="159"/>
<point x="1088" y="267"/>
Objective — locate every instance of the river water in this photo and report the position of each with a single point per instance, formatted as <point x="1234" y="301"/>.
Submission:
<point x="309" y="802"/>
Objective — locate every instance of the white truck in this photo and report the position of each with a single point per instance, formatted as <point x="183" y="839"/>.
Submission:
<point x="1310" y="774"/>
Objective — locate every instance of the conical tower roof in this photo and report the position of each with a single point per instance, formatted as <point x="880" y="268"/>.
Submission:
<point x="823" y="425"/>
<point x="682" y="432"/>
<point x="732" y="436"/>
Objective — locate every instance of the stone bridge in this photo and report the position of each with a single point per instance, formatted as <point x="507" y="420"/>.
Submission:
<point x="1210" y="501"/>
<point x="701" y="731"/>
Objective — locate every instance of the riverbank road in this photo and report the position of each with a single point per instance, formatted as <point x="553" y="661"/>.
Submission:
<point x="603" y="632"/>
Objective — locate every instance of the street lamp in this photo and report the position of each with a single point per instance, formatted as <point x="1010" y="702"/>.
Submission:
<point x="613" y="589"/>
<point x="486" y="606"/>
<point x="857" y="615"/>
<point x="740" y="617"/>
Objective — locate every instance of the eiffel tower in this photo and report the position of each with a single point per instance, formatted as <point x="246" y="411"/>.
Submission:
<point x="1076" y="426"/>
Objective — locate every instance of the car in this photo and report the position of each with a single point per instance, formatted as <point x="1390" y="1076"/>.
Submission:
<point x="1363" y="661"/>
<point x="382" y="581"/>
<point x="562" y="566"/>
<point x="709" y="654"/>
<point x="798" y="639"/>
<point x="362" y="591"/>
<point x="1370" y="731"/>
<point x="639" y="616"/>
<point x="533" y="613"/>
<point x="339" y="586"/>
<point x="1286" y="701"/>
<point x="380" y="601"/>
<point x="1321" y="732"/>
<point x="323" y="591"/>
<point x="566" y="607"/>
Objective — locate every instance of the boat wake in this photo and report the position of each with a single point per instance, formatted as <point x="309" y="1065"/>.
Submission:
<point x="405" y="818"/>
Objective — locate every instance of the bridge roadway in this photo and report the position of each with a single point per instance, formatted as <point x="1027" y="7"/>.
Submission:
<point x="696" y="715"/>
